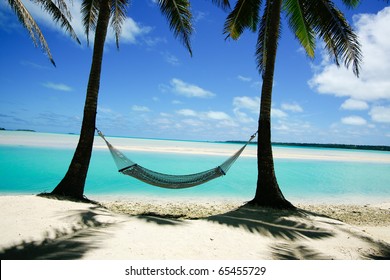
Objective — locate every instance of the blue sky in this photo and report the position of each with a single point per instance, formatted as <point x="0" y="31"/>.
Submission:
<point x="151" y="87"/>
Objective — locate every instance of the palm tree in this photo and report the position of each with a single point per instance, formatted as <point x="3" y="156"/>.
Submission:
<point x="307" y="19"/>
<point x="59" y="12"/>
<point x="96" y="16"/>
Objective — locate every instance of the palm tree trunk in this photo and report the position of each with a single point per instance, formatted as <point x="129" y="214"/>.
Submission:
<point x="72" y="185"/>
<point x="268" y="193"/>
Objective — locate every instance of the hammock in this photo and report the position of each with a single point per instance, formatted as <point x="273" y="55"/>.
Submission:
<point x="128" y="167"/>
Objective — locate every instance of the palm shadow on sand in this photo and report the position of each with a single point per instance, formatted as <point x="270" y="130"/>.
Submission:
<point x="282" y="224"/>
<point x="162" y="220"/>
<point x="288" y="227"/>
<point x="64" y="244"/>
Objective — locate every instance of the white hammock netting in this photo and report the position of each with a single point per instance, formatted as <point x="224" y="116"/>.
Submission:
<point x="128" y="167"/>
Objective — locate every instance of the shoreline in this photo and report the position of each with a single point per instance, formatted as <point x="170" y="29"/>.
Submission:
<point x="42" y="228"/>
<point x="358" y="201"/>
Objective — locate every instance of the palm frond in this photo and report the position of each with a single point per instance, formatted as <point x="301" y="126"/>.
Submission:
<point x="61" y="4"/>
<point x="351" y="3"/>
<point x="118" y="16"/>
<point x="29" y="23"/>
<point x="296" y="13"/>
<point x="60" y="14"/>
<point x="340" y="40"/>
<point x="224" y="4"/>
<point x="244" y="15"/>
<point x="179" y="16"/>
<point x="90" y="12"/>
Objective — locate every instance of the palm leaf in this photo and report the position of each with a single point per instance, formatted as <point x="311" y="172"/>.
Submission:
<point x="90" y="12"/>
<point x="60" y="14"/>
<point x="118" y="16"/>
<point x="61" y="4"/>
<point x="179" y="17"/>
<point x="351" y="3"/>
<point x="224" y="4"/>
<point x="340" y="40"/>
<point x="29" y="23"/>
<point x="296" y="12"/>
<point x="244" y="15"/>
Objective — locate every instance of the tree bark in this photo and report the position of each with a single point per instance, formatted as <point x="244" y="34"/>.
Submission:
<point x="268" y="193"/>
<point x="72" y="185"/>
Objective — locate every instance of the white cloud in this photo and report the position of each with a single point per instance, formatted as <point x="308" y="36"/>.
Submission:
<point x="104" y="110"/>
<point x="163" y="121"/>
<point x="277" y="113"/>
<point x="153" y="41"/>
<point x="171" y="59"/>
<point x="214" y="115"/>
<point x="33" y="65"/>
<point x="164" y="88"/>
<point x="292" y="107"/>
<point x="242" y="117"/>
<point x="373" y="84"/>
<point x="217" y="118"/>
<point x="372" y="89"/>
<point x="246" y="103"/>
<point x="187" y="112"/>
<point x="137" y="108"/>
<point x="281" y="127"/>
<point x="354" y="120"/>
<point x="57" y="86"/>
<point x="189" y="90"/>
<point x="353" y="104"/>
<point x="244" y="79"/>
<point x="108" y="118"/>
<point x="198" y="16"/>
<point x="192" y="122"/>
<point x="130" y="31"/>
<point x="249" y="103"/>
<point x="257" y="85"/>
<point x="252" y="104"/>
<point x="380" y="114"/>
<point x="291" y="130"/>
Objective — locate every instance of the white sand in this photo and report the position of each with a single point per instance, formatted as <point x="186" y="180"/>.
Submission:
<point x="41" y="228"/>
<point x="34" y="139"/>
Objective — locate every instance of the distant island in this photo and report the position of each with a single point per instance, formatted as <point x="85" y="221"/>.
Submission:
<point x="22" y="129"/>
<point x="318" y="145"/>
<point x="26" y="130"/>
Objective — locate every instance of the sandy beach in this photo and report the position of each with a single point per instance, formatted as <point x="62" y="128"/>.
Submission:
<point x="40" y="228"/>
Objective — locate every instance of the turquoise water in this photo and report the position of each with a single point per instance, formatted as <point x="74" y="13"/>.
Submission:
<point x="31" y="170"/>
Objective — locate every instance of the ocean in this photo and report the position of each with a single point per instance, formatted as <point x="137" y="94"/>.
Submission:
<point x="34" y="163"/>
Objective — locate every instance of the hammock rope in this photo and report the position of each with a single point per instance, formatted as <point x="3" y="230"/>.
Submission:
<point x="130" y="168"/>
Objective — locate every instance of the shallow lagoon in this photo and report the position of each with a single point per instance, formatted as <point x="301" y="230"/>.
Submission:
<point x="304" y="174"/>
